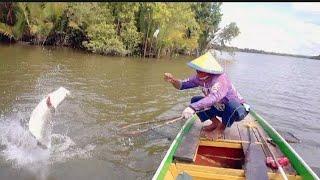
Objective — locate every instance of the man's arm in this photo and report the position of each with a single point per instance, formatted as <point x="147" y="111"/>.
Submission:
<point x="180" y="84"/>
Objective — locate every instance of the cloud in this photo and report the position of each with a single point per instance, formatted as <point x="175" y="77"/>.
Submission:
<point x="308" y="12"/>
<point x="307" y="7"/>
<point x="271" y="29"/>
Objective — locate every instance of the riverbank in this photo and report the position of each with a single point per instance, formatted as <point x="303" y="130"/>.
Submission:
<point x="221" y="54"/>
<point x="116" y="29"/>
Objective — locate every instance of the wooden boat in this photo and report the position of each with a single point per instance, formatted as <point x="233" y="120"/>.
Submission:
<point x="191" y="156"/>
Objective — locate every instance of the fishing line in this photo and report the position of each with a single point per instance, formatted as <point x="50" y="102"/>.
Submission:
<point x="162" y="134"/>
<point x="166" y="136"/>
<point x="167" y="122"/>
<point x="174" y="127"/>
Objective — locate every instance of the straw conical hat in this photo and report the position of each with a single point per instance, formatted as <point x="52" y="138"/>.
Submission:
<point x="206" y="63"/>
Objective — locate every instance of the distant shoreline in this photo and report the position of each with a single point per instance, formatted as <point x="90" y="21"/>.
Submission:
<point x="248" y="50"/>
<point x="217" y="48"/>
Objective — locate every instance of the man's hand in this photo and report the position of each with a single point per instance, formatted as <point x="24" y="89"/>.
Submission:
<point x="169" y="77"/>
<point x="188" y="113"/>
<point x="175" y="82"/>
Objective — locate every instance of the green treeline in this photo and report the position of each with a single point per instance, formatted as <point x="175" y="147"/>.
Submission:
<point x="128" y="29"/>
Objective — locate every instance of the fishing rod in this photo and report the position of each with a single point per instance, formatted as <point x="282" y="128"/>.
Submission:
<point x="160" y="125"/>
<point x="171" y="120"/>
<point x="147" y="122"/>
<point x="168" y="123"/>
<point x="154" y="127"/>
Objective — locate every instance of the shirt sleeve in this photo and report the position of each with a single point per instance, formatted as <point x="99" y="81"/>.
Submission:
<point x="218" y="91"/>
<point x="189" y="83"/>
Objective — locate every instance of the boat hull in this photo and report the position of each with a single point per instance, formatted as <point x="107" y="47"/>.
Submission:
<point x="169" y="169"/>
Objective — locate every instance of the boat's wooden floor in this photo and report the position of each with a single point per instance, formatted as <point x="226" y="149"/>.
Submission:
<point x="238" y="132"/>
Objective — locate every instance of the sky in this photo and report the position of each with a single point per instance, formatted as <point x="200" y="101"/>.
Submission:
<point x="292" y="28"/>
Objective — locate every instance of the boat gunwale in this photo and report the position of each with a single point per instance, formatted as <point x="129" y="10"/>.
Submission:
<point x="167" y="160"/>
<point x="299" y="165"/>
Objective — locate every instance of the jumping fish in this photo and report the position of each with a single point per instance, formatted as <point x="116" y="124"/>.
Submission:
<point x="40" y="124"/>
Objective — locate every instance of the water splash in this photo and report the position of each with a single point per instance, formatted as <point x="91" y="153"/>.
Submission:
<point x="64" y="148"/>
<point x="20" y="146"/>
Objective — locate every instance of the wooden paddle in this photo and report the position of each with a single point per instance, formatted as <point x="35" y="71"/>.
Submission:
<point x="254" y="167"/>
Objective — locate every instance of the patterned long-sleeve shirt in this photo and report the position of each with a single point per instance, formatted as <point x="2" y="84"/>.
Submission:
<point x="217" y="89"/>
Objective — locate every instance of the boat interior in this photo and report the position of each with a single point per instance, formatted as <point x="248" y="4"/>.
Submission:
<point x="227" y="158"/>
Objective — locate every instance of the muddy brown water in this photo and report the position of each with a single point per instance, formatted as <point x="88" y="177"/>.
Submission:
<point x="110" y="92"/>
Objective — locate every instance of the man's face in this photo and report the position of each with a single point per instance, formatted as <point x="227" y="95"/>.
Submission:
<point x="202" y="75"/>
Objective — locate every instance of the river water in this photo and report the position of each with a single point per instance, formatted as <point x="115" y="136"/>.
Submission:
<point x="111" y="92"/>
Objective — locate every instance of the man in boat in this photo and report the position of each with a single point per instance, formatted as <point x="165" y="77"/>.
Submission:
<point x="220" y="99"/>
